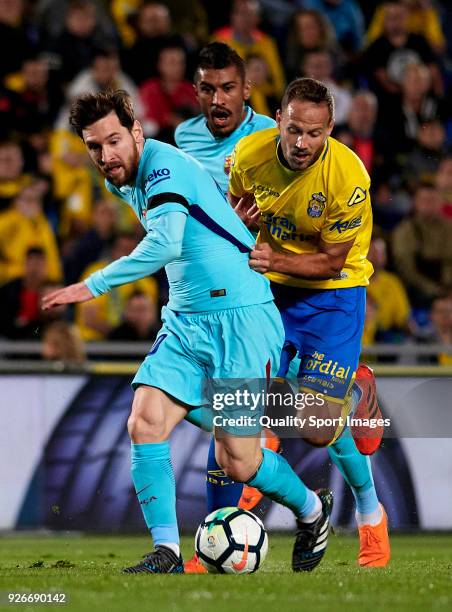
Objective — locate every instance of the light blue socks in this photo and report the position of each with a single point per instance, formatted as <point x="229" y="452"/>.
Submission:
<point x="153" y="478"/>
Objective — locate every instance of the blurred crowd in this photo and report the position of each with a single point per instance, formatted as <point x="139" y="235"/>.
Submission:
<point x="388" y="64"/>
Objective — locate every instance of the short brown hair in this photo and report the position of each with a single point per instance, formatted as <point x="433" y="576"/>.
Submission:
<point x="310" y="90"/>
<point x="90" y="107"/>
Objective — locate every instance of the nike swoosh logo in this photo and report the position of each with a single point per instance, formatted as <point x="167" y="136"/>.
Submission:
<point x="144" y="488"/>
<point x="242" y="563"/>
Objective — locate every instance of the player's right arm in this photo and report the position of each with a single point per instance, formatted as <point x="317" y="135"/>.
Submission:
<point x="162" y="244"/>
<point x="166" y="216"/>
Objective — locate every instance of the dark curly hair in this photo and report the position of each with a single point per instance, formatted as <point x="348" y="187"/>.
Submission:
<point x="91" y="107"/>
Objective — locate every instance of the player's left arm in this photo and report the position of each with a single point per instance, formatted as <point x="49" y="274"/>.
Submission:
<point x="327" y="263"/>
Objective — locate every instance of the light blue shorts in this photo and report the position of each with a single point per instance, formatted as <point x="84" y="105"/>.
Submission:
<point x="191" y="349"/>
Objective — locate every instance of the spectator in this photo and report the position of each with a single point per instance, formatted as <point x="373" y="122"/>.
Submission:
<point x="423" y="161"/>
<point x="345" y="17"/>
<point x="61" y="342"/>
<point x="153" y="32"/>
<point x="359" y="131"/>
<point x="423" y="19"/>
<point x="319" y="65"/>
<point x="413" y="107"/>
<point x="441" y="319"/>
<point x="389" y="295"/>
<point x="22" y="227"/>
<point x="370" y="326"/>
<point x="308" y="31"/>
<point x="18" y="37"/>
<point x="39" y="96"/>
<point x="12" y="176"/>
<point x="97" y="318"/>
<point x="443" y="182"/>
<point x="73" y="181"/>
<point x="190" y="20"/>
<point x="51" y="17"/>
<point x="422" y="248"/>
<point x="20" y="309"/>
<point x="12" y="113"/>
<point x="140" y="319"/>
<point x="74" y="48"/>
<point x="104" y="73"/>
<point x="390" y="202"/>
<point x="388" y="56"/>
<point x="95" y="243"/>
<point x="244" y="37"/>
<point x="258" y="73"/>
<point x="169" y="98"/>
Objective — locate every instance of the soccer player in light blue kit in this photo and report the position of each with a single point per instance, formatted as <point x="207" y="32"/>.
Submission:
<point x="220" y="322"/>
<point x="222" y="90"/>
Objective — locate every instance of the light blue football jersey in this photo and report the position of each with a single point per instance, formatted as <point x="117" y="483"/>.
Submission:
<point x="212" y="271"/>
<point x="194" y="137"/>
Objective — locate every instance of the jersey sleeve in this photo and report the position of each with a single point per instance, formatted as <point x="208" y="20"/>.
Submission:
<point x="346" y="214"/>
<point x="168" y="187"/>
<point x="162" y="244"/>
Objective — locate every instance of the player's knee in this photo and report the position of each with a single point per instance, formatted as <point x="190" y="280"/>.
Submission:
<point x="143" y="427"/>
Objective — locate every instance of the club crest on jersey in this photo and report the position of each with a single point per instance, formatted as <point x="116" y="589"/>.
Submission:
<point x="316" y="204"/>
<point x="227" y="164"/>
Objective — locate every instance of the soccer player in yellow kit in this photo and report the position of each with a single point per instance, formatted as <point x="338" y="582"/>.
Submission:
<point x="315" y="227"/>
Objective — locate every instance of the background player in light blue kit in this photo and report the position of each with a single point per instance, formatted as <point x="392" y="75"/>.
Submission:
<point x="222" y="90"/>
<point x="220" y="322"/>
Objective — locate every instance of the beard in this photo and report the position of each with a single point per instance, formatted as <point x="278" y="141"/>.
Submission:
<point x="128" y="170"/>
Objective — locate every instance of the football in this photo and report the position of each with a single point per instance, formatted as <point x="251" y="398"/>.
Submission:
<point x="231" y="541"/>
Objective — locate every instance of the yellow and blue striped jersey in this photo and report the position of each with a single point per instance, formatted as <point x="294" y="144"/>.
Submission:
<point x="328" y="201"/>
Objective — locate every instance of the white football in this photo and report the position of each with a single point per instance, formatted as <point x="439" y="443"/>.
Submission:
<point x="231" y="541"/>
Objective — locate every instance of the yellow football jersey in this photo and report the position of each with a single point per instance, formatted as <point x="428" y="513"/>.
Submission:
<point x="328" y="201"/>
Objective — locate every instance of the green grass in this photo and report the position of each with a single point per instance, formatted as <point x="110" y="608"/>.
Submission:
<point x="88" y="569"/>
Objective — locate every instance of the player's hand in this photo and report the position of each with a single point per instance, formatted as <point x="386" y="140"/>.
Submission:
<point x="248" y="211"/>
<point x="261" y="258"/>
<point x="78" y="292"/>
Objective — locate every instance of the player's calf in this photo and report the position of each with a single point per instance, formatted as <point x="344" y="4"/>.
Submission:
<point x="322" y="423"/>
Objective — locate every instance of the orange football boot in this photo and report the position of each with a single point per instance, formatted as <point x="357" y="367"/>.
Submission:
<point x="367" y="440"/>
<point x="374" y="548"/>
<point x="194" y="566"/>
<point x="250" y="496"/>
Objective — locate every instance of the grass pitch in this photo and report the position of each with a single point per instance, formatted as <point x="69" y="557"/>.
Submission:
<point x="88" y="569"/>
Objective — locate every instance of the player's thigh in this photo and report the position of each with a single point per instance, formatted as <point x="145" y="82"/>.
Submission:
<point x="172" y="364"/>
<point x="330" y="357"/>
